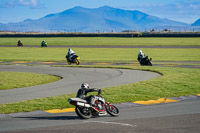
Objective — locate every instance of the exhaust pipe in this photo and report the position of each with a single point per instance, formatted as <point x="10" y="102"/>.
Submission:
<point x="83" y="104"/>
<point x="88" y="106"/>
<point x="103" y="114"/>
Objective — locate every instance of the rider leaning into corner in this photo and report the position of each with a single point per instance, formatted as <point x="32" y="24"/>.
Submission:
<point x="82" y="92"/>
<point x="141" y="56"/>
<point x="70" y="53"/>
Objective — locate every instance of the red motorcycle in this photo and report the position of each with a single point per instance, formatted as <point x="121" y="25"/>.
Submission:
<point x="101" y="107"/>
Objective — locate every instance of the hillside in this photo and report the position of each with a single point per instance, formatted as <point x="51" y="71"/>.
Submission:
<point x="102" y="19"/>
<point x="196" y="23"/>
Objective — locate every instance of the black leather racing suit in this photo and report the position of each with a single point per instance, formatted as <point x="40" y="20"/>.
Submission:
<point x="83" y="92"/>
<point x="141" y="58"/>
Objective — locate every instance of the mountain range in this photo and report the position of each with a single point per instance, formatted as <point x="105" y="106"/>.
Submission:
<point x="102" y="19"/>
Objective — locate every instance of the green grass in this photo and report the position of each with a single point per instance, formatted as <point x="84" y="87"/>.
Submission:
<point x="112" y="55"/>
<point x="174" y="82"/>
<point x="102" y="41"/>
<point x="10" y="80"/>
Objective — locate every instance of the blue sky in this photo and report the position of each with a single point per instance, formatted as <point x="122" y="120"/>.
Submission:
<point x="186" y="11"/>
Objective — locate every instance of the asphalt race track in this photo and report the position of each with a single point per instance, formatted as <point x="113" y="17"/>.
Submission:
<point x="181" y="117"/>
<point x="72" y="78"/>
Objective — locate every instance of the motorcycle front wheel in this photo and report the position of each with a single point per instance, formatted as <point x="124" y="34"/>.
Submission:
<point x="149" y="63"/>
<point x="112" y="110"/>
<point x="83" y="112"/>
<point x="77" y="62"/>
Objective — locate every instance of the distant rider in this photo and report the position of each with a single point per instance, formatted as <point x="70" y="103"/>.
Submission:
<point x="70" y="54"/>
<point x="141" y="56"/>
<point x="44" y="43"/>
<point x="82" y="92"/>
<point x="19" y="43"/>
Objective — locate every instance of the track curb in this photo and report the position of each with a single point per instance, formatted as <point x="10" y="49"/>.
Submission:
<point x="136" y="103"/>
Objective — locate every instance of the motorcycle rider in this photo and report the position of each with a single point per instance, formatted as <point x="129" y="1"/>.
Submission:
<point x="141" y="56"/>
<point x="44" y="43"/>
<point x="19" y="43"/>
<point x="70" y="54"/>
<point x="82" y="92"/>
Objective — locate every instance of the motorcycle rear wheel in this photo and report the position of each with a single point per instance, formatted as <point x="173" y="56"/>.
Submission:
<point x="83" y="112"/>
<point x="112" y="110"/>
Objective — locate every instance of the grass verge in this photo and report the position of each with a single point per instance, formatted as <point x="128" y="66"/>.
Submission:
<point x="174" y="82"/>
<point x="111" y="55"/>
<point x="10" y="80"/>
<point x="102" y="41"/>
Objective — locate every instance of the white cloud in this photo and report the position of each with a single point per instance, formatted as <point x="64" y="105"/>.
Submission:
<point x="28" y="2"/>
<point x="16" y="3"/>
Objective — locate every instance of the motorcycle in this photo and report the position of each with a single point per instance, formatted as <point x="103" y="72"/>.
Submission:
<point x="19" y="44"/>
<point x="86" y="111"/>
<point x="73" y="59"/>
<point x="44" y="44"/>
<point x="146" y="61"/>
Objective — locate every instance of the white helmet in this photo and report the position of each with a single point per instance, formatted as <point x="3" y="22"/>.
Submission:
<point x="140" y="51"/>
<point x="71" y="51"/>
<point x="84" y="86"/>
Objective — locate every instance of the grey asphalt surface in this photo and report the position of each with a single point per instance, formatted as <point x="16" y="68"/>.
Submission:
<point x="71" y="80"/>
<point x="179" y="117"/>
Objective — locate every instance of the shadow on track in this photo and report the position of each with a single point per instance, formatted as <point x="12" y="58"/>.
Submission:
<point x="52" y="118"/>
